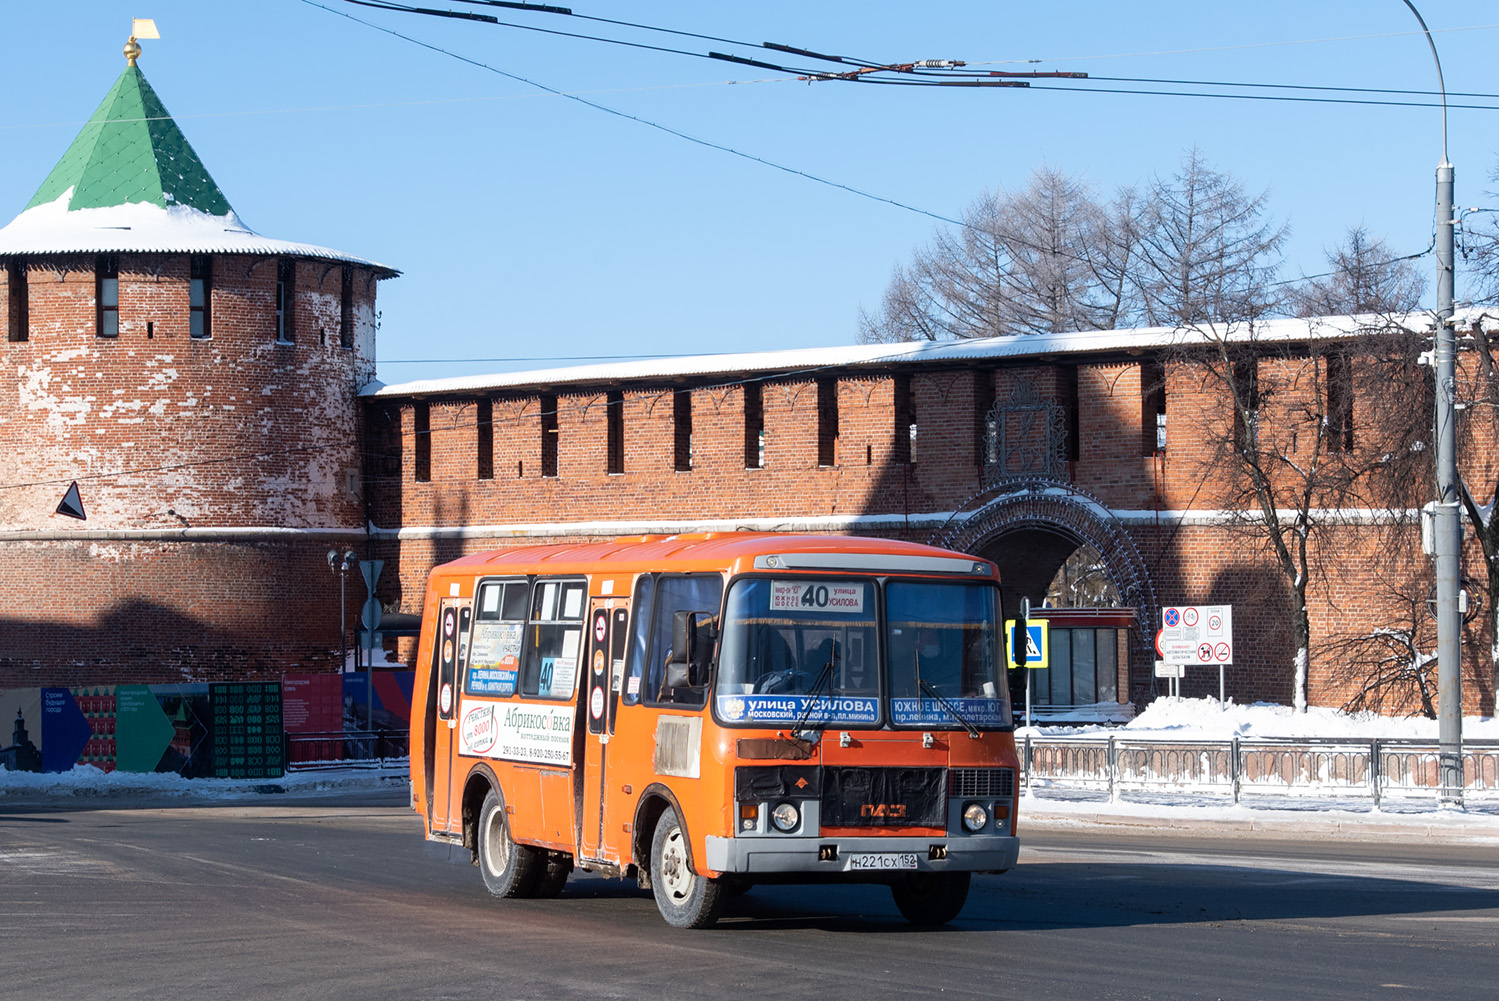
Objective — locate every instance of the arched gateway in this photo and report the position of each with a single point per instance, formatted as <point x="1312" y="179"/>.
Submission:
<point x="1029" y="526"/>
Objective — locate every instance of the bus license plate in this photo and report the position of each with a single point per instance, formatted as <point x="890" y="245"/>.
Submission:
<point x="883" y="860"/>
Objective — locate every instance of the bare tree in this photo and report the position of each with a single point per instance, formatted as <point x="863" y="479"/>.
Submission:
<point x="1393" y="668"/>
<point x="1208" y="251"/>
<point x="1113" y="256"/>
<point x="1305" y="431"/>
<point x="1082" y="581"/>
<point x="1193" y="248"/>
<point x="1481" y="422"/>
<point x="1480" y="249"/>
<point x="1365" y="278"/>
<point x="1046" y="259"/>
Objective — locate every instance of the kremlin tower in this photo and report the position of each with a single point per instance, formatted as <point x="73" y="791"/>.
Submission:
<point x="198" y="384"/>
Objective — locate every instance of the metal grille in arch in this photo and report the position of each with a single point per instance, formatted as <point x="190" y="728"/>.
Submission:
<point x="1024" y="436"/>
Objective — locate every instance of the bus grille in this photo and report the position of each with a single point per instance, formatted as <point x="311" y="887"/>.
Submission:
<point x="883" y="797"/>
<point x="983" y="782"/>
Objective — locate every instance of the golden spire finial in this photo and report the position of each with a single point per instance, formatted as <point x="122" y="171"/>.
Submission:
<point x="140" y="27"/>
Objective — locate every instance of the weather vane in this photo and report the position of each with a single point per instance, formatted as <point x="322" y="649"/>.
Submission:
<point x="140" y="27"/>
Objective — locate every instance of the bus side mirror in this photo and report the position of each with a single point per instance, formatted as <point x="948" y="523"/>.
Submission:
<point x="691" y="646"/>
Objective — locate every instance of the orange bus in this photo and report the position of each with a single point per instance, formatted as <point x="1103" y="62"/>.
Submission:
<point x="707" y="712"/>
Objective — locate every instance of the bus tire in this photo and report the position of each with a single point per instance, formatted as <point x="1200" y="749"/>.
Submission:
<point x="555" y="877"/>
<point x="684" y="898"/>
<point x="510" y="870"/>
<point x="931" y="898"/>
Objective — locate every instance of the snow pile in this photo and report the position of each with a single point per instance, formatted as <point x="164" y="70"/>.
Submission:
<point x="1205" y="719"/>
<point x="86" y="780"/>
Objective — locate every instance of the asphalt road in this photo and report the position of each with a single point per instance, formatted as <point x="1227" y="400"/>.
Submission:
<point x="341" y="898"/>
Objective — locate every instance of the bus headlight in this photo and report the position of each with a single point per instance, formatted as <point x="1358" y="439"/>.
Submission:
<point x="785" y="816"/>
<point x="975" y="817"/>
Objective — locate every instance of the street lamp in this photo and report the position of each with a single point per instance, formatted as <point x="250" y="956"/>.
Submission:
<point x="1447" y="529"/>
<point x="341" y="565"/>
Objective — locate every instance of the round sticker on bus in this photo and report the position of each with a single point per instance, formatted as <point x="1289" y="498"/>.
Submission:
<point x="600" y="628"/>
<point x="596" y="703"/>
<point x="447" y="651"/>
<point x="445" y="699"/>
<point x="449" y="622"/>
<point x="598" y="662"/>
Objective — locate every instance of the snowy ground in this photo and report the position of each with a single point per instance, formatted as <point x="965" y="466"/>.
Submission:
<point x="86" y="781"/>
<point x="1203" y="811"/>
<point x="1205" y="719"/>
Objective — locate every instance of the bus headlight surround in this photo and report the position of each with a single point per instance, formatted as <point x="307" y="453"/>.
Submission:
<point x="975" y="817"/>
<point x="785" y="817"/>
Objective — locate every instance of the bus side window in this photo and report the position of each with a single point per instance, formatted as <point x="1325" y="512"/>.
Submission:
<point x="554" y="639"/>
<point x="499" y="624"/>
<point x="645" y="596"/>
<point x="702" y="593"/>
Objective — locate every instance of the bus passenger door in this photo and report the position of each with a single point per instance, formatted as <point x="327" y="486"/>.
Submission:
<point x="447" y="650"/>
<point x="609" y="620"/>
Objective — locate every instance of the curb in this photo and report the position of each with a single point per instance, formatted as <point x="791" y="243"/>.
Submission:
<point x="1466" y="830"/>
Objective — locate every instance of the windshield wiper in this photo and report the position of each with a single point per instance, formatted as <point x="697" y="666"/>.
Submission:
<point x="823" y="676"/>
<point x="973" y="731"/>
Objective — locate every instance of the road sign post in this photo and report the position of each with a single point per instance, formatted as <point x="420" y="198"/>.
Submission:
<point x="1197" y="634"/>
<point x="369" y="618"/>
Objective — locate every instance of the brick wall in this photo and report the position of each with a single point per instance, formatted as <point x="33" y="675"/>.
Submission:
<point x="166" y="433"/>
<point x="1187" y="563"/>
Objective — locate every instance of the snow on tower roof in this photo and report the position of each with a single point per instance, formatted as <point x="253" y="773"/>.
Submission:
<point x="131" y="182"/>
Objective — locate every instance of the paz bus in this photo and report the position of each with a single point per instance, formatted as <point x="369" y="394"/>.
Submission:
<point x="708" y="712"/>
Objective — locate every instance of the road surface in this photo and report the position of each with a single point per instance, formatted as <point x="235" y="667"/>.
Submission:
<point x="334" y="898"/>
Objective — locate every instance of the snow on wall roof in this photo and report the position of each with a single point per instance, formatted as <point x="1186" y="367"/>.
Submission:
<point x="810" y="361"/>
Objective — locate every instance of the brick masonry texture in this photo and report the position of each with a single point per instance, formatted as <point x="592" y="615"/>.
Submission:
<point x="164" y="433"/>
<point x="240" y="432"/>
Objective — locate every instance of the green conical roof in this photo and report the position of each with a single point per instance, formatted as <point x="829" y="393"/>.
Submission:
<point x="132" y="151"/>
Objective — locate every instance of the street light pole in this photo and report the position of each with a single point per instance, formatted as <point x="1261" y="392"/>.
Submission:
<point x="341" y="566"/>
<point x="1447" y="527"/>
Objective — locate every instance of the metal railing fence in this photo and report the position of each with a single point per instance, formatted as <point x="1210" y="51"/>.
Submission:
<point x="346" y="749"/>
<point x="1376" y="767"/>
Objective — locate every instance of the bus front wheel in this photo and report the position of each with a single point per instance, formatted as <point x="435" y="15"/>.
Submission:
<point x="685" y="899"/>
<point x="510" y="870"/>
<point x="931" y="898"/>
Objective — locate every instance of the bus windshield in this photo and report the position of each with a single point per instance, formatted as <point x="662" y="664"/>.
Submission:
<point x="943" y="643"/>
<point x="806" y="652"/>
<point x="799" y="651"/>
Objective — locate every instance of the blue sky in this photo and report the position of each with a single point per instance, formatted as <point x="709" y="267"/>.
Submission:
<point x="529" y="226"/>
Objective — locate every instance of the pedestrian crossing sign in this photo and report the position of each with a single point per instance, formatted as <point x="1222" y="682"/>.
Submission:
<point x="1037" y="643"/>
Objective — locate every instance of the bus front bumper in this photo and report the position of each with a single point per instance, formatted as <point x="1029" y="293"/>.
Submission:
<point x="868" y="856"/>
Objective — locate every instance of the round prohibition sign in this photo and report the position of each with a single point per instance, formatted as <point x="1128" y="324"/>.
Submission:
<point x="1215" y="622"/>
<point x="1222" y="652"/>
<point x="600" y="627"/>
<point x="1205" y="653"/>
<point x="1189" y="616"/>
<point x="1172" y="618"/>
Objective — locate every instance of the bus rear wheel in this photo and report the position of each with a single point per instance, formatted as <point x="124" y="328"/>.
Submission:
<point x="550" y="883"/>
<point x="510" y="870"/>
<point x="685" y="899"/>
<point x="931" y="898"/>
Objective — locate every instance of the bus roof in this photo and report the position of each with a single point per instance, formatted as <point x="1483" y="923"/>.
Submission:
<point x="717" y="550"/>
